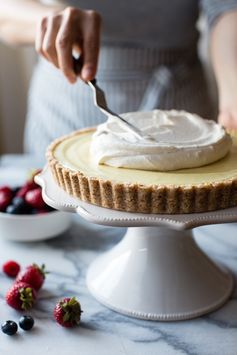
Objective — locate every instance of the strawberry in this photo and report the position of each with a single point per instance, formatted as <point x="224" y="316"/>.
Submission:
<point x="33" y="275"/>
<point x="6" y="189"/>
<point x="68" y="312"/>
<point x="29" y="185"/>
<point x="21" y="296"/>
<point x="34" y="198"/>
<point x="11" y="268"/>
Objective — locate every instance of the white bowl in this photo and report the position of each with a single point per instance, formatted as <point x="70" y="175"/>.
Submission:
<point x="30" y="228"/>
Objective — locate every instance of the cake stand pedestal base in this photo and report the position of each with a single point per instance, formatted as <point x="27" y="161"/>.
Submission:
<point x="159" y="274"/>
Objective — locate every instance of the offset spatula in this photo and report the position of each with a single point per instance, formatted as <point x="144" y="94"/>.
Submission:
<point x="100" y="102"/>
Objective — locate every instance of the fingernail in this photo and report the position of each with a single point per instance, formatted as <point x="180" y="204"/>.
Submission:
<point x="72" y="79"/>
<point x="87" y="73"/>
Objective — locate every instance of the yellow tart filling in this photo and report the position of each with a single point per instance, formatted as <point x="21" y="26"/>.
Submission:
<point x="74" y="153"/>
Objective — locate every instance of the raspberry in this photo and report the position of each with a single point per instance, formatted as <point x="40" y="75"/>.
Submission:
<point x="11" y="268"/>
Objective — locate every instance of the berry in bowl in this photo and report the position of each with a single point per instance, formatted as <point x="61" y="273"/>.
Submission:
<point x="24" y="216"/>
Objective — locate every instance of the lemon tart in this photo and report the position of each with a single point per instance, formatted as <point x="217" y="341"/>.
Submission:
<point x="93" y="175"/>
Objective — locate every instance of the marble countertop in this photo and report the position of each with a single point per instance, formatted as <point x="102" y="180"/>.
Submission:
<point x="102" y="331"/>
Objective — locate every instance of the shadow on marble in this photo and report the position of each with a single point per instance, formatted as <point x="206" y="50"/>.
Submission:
<point x="87" y="236"/>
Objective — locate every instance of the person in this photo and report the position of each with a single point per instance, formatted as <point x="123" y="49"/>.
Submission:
<point x="143" y="55"/>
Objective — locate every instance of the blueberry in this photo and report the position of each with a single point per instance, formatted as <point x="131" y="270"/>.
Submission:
<point x="26" y="322"/>
<point x="10" y="209"/>
<point x="15" y="190"/>
<point x="19" y="207"/>
<point x="16" y="201"/>
<point x="9" y="327"/>
<point x="34" y="211"/>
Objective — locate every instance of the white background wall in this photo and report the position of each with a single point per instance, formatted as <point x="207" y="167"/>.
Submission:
<point x="15" y="70"/>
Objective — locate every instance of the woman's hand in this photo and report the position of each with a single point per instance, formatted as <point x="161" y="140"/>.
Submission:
<point x="59" y="34"/>
<point x="228" y="118"/>
<point x="224" y="60"/>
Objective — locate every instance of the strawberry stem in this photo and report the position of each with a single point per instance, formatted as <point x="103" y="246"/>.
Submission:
<point x="41" y="269"/>
<point x="72" y="311"/>
<point x="26" y="296"/>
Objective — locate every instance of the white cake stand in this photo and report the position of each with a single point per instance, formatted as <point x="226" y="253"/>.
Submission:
<point x="157" y="271"/>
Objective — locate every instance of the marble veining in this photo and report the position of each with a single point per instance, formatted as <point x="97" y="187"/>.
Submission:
<point x="102" y="331"/>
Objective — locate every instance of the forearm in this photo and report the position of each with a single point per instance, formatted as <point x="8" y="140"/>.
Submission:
<point x="224" y="58"/>
<point x="18" y="19"/>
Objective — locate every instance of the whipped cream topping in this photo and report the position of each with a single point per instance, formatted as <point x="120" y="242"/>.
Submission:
<point x="181" y="140"/>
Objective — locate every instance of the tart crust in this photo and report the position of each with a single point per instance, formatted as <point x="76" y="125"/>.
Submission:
<point x="131" y="197"/>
